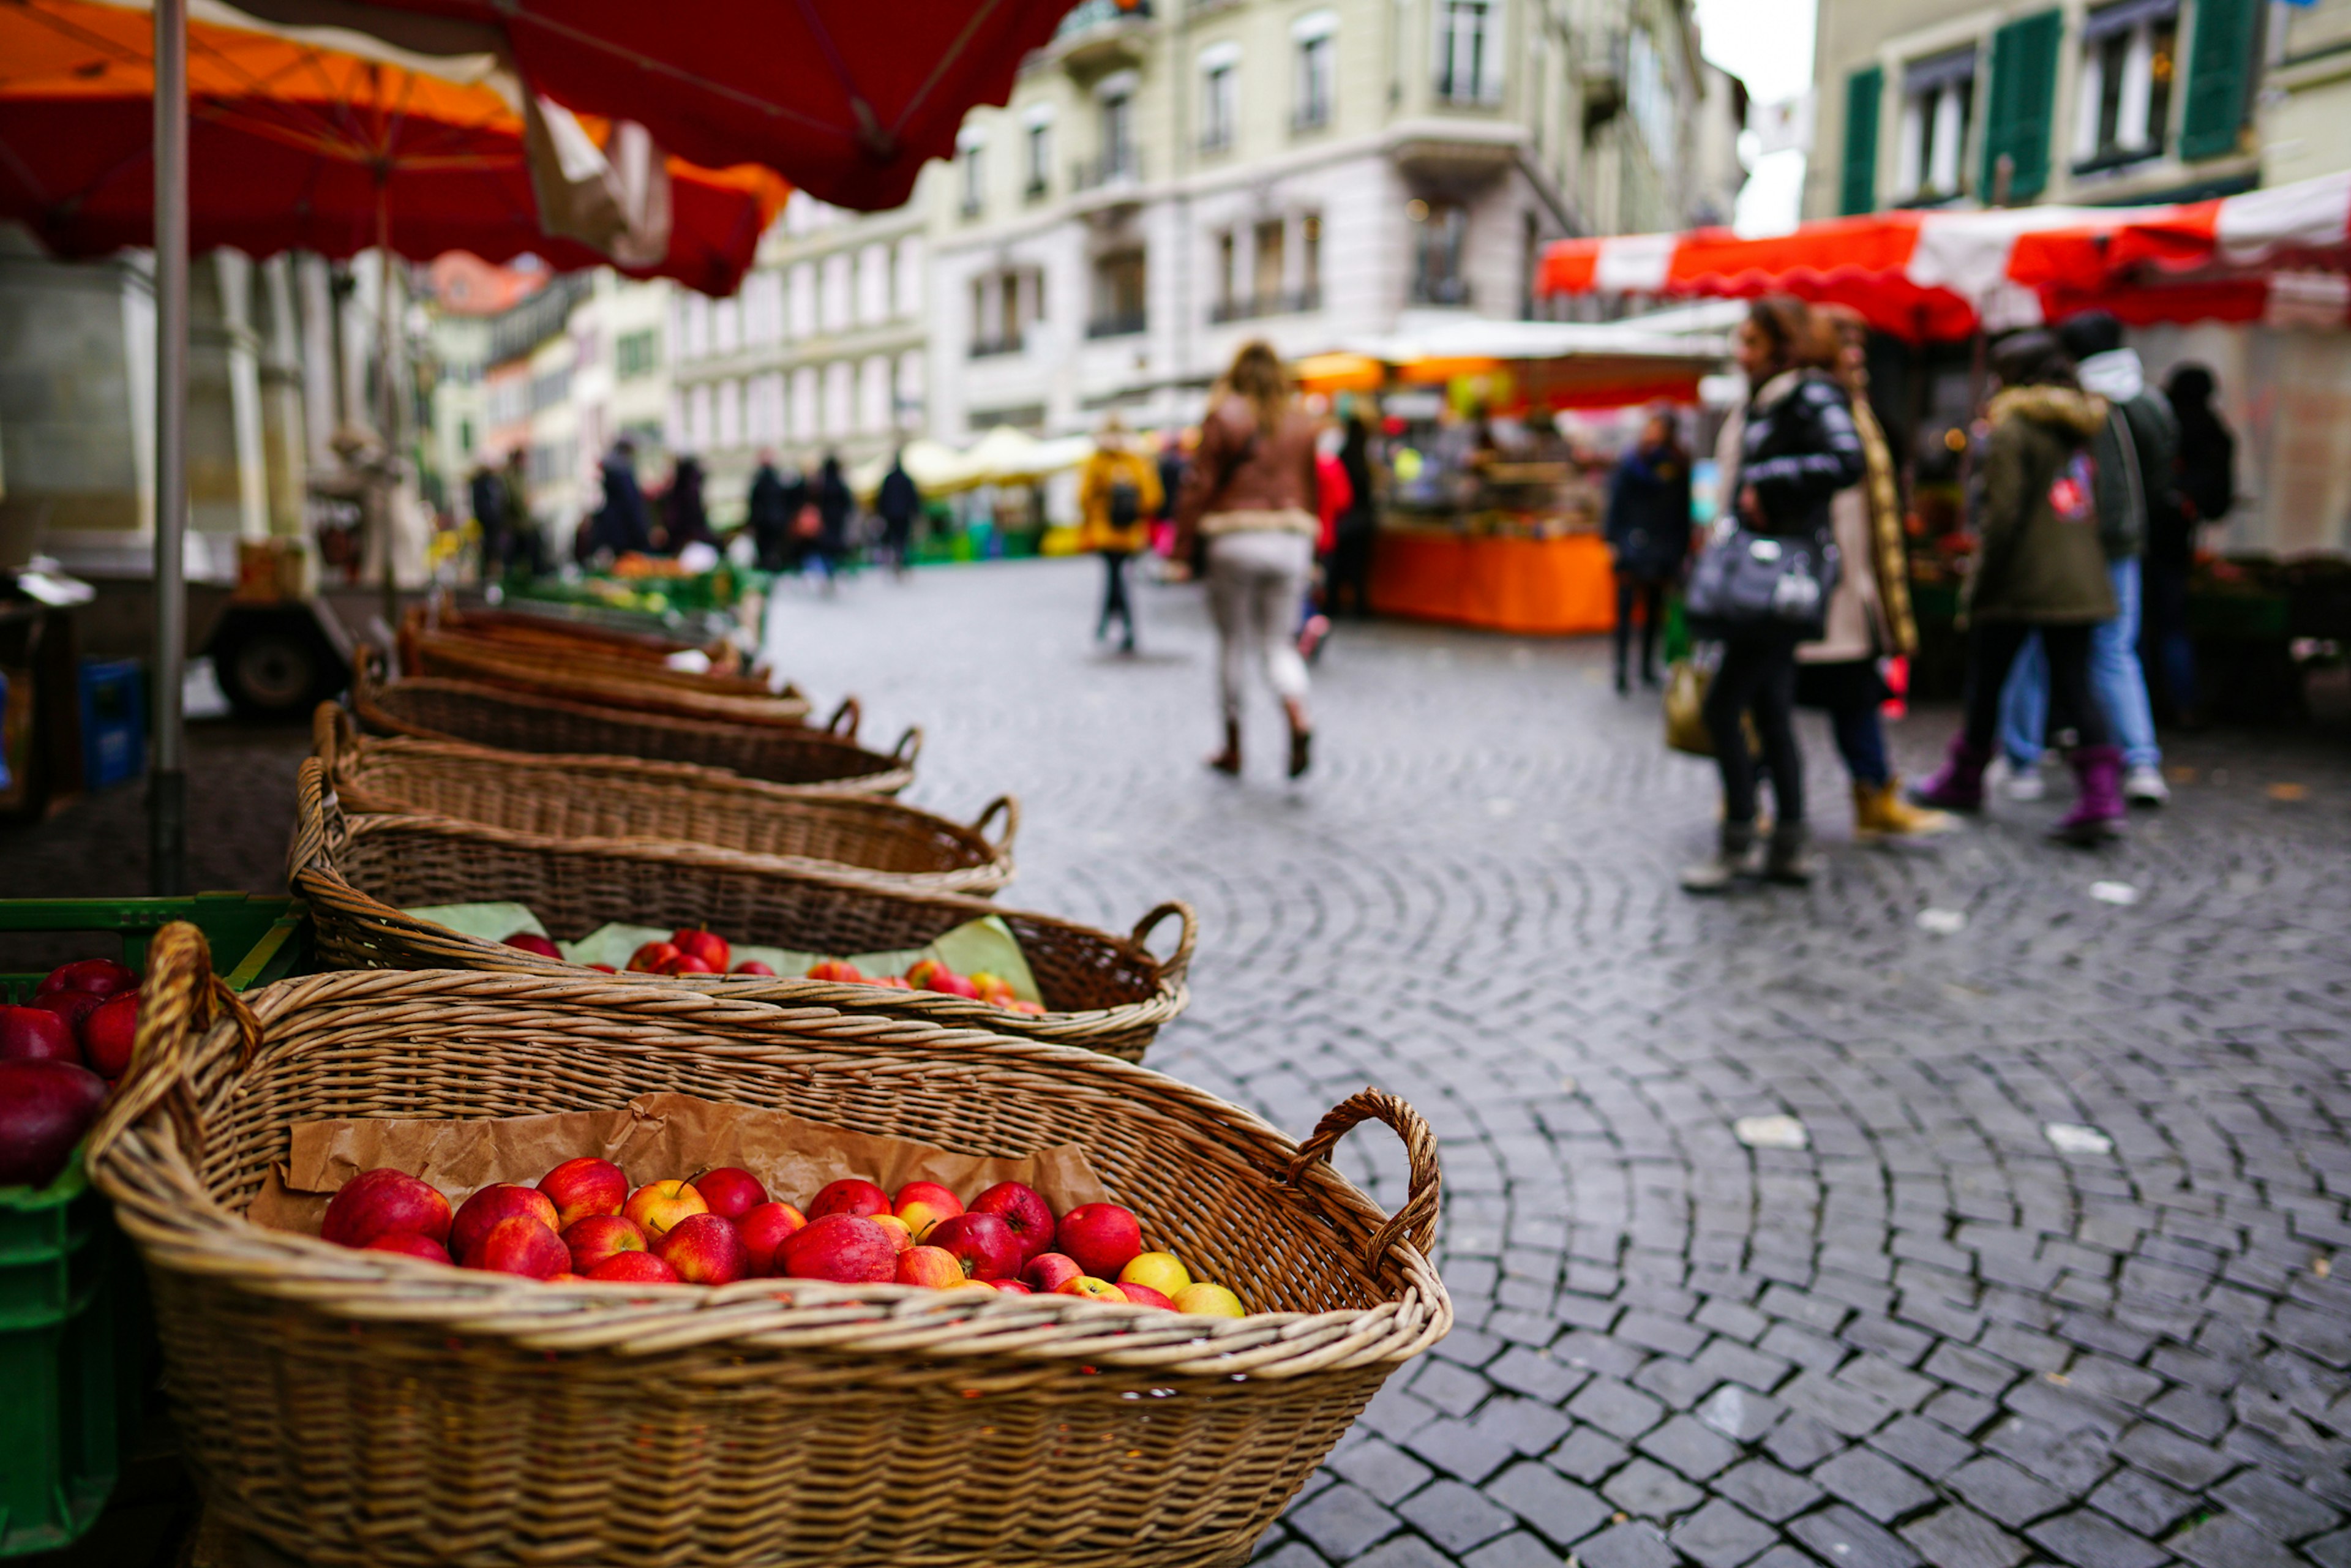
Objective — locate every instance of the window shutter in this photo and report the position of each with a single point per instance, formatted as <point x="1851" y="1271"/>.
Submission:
<point x="2022" y="103"/>
<point x="2217" y="76"/>
<point x="1865" y="92"/>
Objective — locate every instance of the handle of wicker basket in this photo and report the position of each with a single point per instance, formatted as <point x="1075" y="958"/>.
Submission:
<point x="1176" y="964"/>
<point x="333" y="733"/>
<point x="179" y="998"/>
<point x="320" y="829"/>
<point x="909" y="747"/>
<point x="1416" y="1221"/>
<point x="849" y="712"/>
<point x="1006" y="807"/>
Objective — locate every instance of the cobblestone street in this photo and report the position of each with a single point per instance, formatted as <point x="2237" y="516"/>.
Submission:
<point x="2034" y="1264"/>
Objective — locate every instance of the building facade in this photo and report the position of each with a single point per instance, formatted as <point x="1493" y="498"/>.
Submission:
<point x="1171" y="179"/>
<point x="2119" y="101"/>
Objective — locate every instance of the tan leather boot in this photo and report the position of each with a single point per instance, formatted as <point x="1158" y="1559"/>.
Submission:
<point x="1882" y="813"/>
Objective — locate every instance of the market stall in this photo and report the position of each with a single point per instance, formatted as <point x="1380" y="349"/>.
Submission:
<point x="1494" y="516"/>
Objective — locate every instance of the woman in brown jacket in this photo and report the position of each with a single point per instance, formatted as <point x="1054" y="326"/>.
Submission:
<point x="1251" y="492"/>
<point x="2039" y="565"/>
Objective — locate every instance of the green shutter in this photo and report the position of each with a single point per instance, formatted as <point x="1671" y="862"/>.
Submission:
<point x="2217" y="73"/>
<point x="2021" y="104"/>
<point x="1864" y="90"/>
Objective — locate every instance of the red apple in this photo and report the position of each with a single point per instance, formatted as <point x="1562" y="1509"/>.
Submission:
<point x="1049" y="1271"/>
<point x="37" y="1034"/>
<point x="1011" y="1288"/>
<point x="583" y="1187"/>
<point x="982" y="1243"/>
<point x="383" y="1202"/>
<point x="596" y="1236"/>
<point x="604" y="968"/>
<point x="633" y="1269"/>
<point x="520" y="1245"/>
<point x="72" y="1006"/>
<point x="1144" y="1296"/>
<point x="532" y="942"/>
<point x="684" y="964"/>
<point x="1088" y="1288"/>
<point x="764" y="1229"/>
<point x="857" y="1198"/>
<point x="45" y="1108"/>
<point x="730" y="1191"/>
<point x="498" y="1201"/>
<point x="948" y="983"/>
<point x="1023" y="1208"/>
<point x="837" y="969"/>
<point x="895" y="1229"/>
<point x="919" y="976"/>
<point x="657" y="1207"/>
<point x="841" y="1248"/>
<point x="109" y="1033"/>
<point x="409" y="1244"/>
<point x="566" y="1278"/>
<point x="650" y="958"/>
<point x="929" y="1266"/>
<point x="1102" y="1237"/>
<point x="711" y="950"/>
<point x="922" y="1204"/>
<point x="100" y="976"/>
<point x="753" y="966"/>
<point x="895" y="982"/>
<point x="705" y="1250"/>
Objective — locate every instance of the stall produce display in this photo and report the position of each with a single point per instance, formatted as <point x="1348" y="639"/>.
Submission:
<point x="61" y="1052"/>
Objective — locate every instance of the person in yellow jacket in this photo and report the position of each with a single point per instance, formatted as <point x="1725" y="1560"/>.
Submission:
<point x="1118" y="493"/>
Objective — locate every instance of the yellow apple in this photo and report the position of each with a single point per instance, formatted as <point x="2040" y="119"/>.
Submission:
<point x="1159" y="1271"/>
<point x="1207" y="1300"/>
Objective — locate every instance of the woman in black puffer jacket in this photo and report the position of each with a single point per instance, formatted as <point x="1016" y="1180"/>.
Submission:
<point x="1798" y="449"/>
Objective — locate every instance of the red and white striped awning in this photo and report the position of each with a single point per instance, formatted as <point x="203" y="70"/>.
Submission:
<point x="2281" y="256"/>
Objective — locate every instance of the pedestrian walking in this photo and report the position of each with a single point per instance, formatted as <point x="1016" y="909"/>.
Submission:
<point x="2135" y="456"/>
<point x="1648" y="531"/>
<point x="1797" y="449"/>
<point x="1348" y="578"/>
<point x="899" y="503"/>
<point x="684" y="521"/>
<point x="1251" y="494"/>
<point x="1869" y="617"/>
<point x="830" y="496"/>
<point x="2038" y="566"/>
<point x="622" y="525"/>
<point x="768" y="515"/>
<point x="1118" y="492"/>
<point x="1333" y="494"/>
<point x="488" y="498"/>
<point x="523" y="537"/>
<point x="2206" y="471"/>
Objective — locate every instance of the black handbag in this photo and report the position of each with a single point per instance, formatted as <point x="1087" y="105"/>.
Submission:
<point x="1747" y="581"/>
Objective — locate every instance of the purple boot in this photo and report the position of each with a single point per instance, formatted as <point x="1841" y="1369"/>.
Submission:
<point x="1958" y="784"/>
<point x="2098" y="809"/>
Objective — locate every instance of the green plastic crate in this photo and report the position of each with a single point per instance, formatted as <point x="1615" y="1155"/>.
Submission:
<point x="77" y="1340"/>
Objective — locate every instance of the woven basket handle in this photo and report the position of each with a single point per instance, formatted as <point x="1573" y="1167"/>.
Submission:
<point x="1173" y="966"/>
<point x="1416" y="1221"/>
<point x="845" y="718"/>
<point x="909" y="747"/>
<point x="320" y="829"/>
<point x="333" y="733"/>
<point x="1003" y="806"/>
<point x="179" y="998"/>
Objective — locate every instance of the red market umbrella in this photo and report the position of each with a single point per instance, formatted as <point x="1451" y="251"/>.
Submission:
<point x="295" y="146"/>
<point x="2278" y="254"/>
<point x="847" y="99"/>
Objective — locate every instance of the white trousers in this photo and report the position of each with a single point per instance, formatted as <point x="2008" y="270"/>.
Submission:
<point x="1256" y="581"/>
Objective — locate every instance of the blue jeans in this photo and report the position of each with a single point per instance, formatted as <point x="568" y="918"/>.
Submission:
<point x="2115" y="677"/>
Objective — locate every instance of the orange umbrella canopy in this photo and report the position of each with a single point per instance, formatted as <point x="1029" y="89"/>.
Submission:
<point x="292" y="145"/>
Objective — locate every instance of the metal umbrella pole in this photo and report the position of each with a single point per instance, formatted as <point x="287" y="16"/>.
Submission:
<point x="167" y="787"/>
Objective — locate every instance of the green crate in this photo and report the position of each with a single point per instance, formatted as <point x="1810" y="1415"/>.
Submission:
<point x="77" y="1340"/>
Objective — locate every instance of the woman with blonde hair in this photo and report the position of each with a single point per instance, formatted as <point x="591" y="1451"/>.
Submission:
<point x="1118" y="492"/>
<point x="1251" y="492"/>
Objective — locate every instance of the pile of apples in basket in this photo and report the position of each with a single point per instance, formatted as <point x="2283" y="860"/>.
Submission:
<point x="584" y="1223"/>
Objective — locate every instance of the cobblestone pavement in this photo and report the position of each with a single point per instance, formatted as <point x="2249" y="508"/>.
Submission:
<point x="2049" y="1279"/>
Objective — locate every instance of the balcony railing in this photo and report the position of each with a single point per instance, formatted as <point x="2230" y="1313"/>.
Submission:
<point x="1426" y="291"/>
<point x="1092" y="13"/>
<point x="1036" y="189"/>
<point x="995" y="347"/>
<point x="1124" y="167"/>
<point x="1119" y="324"/>
<point x="1309" y="118"/>
<point x="1288" y="302"/>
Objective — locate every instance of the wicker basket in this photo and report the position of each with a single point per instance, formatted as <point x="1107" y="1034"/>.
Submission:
<point x="584" y="675"/>
<point x="479" y="715"/>
<point x="552" y="631"/>
<point x="359" y="872"/>
<point x="359" y="1409"/>
<point x="773" y="826"/>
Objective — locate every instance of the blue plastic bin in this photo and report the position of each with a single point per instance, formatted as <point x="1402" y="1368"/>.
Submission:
<point x="113" y="722"/>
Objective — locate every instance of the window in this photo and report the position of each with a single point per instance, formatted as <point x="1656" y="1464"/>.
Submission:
<point x="636" y="354"/>
<point x="873" y="396"/>
<point x="1038" y="152"/>
<point x="1937" y="107"/>
<point x="465" y="436"/>
<point x="1469" y="51"/>
<point x="763" y="307"/>
<point x="969" y="152"/>
<point x="730" y="415"/>
<point x="2123" y="98"/>
<point x="1438" y="228"/>
<point x="1219" y="96"/>
<point x="1005" y="303"/>
<point x="1310" y="260"/>
<point x="700" y="426"/>
<point x="800" y="315"/>
<point x="840" y="396"/>
<point x="838" y="301"/>
<point x="1651" y="102"/>
<point x="906" y="284"/>
<point x="1118" y="134"/>
<point x="872" y="285"/>
<point x="1228" y="276"/>
<point x="910" y="387"/>
<point x="805" y="425"/>
<point x="1266" y="257"/>
<point x="697" y="329"/>
<point x="1317" y="54"/>
<point x="726" y="327"/>
<point x="1119" y="306"/>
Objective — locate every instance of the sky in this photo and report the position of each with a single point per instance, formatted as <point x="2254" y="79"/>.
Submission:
<point x="1767" y="44"/>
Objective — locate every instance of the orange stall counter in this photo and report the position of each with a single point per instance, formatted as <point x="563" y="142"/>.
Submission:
<point x="1557" y="587"/>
